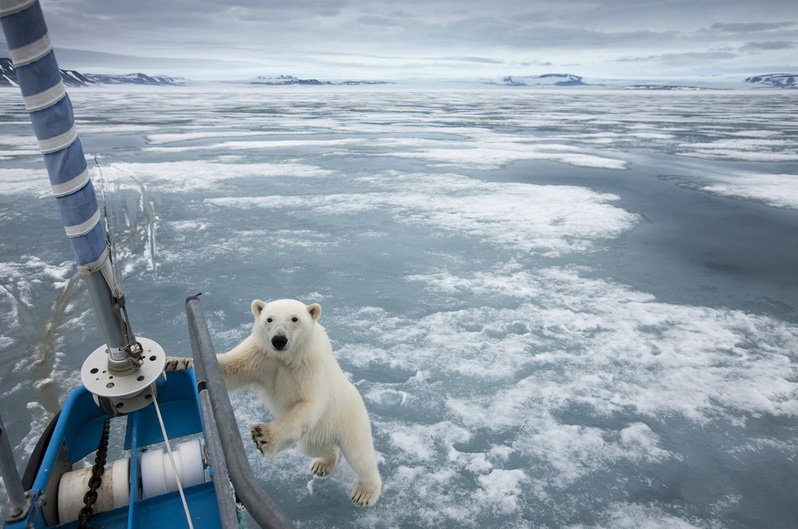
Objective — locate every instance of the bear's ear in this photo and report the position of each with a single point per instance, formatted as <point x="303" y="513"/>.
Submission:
<point x="257" y="307"/>
<point x="315" y="311"/>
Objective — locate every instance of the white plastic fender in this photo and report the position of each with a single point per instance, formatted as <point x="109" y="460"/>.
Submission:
<point x="114" y="490"/>
<point x="157" y="476"/>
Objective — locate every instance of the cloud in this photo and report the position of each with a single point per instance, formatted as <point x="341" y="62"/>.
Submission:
<point x="769" y="46"/>
<point x="535" y="63"/>
<point x="393" y="19"/>
<point x="444" y="37"/>
<point x="681" y="59"/>
<point x="480" y="60"/>
<point x="94" y="61"/>
<point x="751" y="27"/>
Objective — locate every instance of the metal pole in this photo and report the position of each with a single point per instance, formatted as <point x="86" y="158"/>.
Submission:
<point x="109" y="318"/>
<point x="18" y="500"/>
<point x="221" y="477"/>
<point x="257" y="502"/>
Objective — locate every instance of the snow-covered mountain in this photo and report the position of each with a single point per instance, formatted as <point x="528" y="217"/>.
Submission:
<point x="549" y="79"/>
<point x="774" y="80"/>
<point x="283" y="80"/>
<point x="134" y="78"/>
<point x="661" y="87"/>
<point x="8" y="77"/>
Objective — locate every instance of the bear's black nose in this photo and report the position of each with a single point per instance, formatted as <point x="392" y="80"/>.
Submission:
<point x="279" y="342"/>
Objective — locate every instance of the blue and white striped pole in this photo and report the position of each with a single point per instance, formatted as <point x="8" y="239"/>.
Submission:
<point x="53" y="121"/>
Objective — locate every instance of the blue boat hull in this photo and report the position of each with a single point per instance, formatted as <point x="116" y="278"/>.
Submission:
<point x="76" y="435"/>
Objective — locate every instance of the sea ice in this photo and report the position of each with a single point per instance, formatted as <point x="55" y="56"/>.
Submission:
<point x="512" y="379"/>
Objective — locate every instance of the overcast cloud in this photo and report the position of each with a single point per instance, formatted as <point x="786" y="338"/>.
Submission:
<point x="424" y="38"/>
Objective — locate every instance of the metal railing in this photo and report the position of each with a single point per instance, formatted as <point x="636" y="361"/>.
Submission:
<point x="221" y="419"/>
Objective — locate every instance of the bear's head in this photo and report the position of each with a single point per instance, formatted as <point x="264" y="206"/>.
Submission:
<point x="284" y="325"/>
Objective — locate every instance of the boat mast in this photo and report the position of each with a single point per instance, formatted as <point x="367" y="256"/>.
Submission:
<point x="50" y="109"/>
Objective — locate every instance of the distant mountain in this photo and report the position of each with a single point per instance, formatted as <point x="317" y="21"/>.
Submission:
<point x="285" y="80"/>
<point x="8" y="77"/>
<point x="73" y="78"/>
<point x="134" y="78"/>
<point x="676" y="87"/>
<point x="549" y="79"/>
<point x="774" y="80"/>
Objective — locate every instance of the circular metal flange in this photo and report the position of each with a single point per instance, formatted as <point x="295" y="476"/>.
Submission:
<point x="127" y="392"/>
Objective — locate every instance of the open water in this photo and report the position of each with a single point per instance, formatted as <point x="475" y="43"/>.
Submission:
<point x="564" y="309"/>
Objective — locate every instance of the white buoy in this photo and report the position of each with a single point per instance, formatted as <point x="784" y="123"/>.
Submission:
<point x="114" y="490"/>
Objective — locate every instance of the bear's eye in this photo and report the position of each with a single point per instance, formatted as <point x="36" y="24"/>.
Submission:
<point x="268" y="320"/>
<point x="294" y="319"/>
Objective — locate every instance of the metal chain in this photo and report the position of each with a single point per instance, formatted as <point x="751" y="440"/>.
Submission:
<point x="90" y="498"/>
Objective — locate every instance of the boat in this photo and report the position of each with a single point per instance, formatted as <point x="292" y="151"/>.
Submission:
<point x="179" y="458"/>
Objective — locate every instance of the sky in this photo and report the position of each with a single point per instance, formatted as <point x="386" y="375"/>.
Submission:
<point x="393" y="39"/>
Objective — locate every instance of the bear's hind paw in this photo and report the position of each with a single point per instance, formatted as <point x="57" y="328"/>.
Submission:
<point x="365" y="493"/>
<point x="322" y="467"/>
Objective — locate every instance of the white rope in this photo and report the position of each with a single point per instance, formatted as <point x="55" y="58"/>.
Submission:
<point x="174" y="467"/>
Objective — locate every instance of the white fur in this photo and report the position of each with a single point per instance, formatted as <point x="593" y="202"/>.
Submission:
<point x="302" y="385"/>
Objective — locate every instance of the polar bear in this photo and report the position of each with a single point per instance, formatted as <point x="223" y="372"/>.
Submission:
<point x="288" y="360"/>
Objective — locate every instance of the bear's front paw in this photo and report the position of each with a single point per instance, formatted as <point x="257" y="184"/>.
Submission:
<point x="174" y="363"/>
<point x="263" y="439"/>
